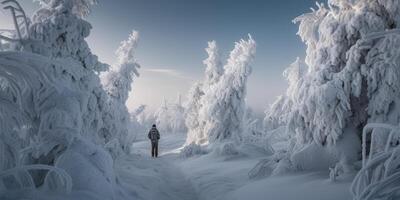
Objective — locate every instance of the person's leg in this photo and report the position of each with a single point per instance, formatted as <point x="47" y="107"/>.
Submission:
<point x="152" y="149"/>
<point x="156" y="148"/>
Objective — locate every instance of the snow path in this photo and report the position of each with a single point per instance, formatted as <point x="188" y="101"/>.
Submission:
<point x="160" y="178"/>
<point x="213" y="177"/>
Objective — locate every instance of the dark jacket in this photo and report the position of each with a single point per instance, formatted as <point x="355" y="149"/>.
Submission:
<point x="154" y="135"/>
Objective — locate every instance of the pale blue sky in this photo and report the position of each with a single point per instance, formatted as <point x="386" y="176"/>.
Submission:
<point x="174" y="33"/>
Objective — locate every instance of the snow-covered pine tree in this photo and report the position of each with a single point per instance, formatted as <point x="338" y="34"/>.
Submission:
<point x="60" y="32"/>
<point x="193" y="106"/>
<point x="177" y="113"/>
<point x="225" y="100"/>
<point x="139" y="114"/>
<point x="353" y="60"/>
<point x="195" y="120"/>
<point x="118" y="84"/>
<point x="54" y="107"/>
<point x="170" y="117"/>
<point x="118" y="81"/>
<point x="81" y="8"/>
<point x="163" y="117"/>
<point x="279" y="112"/>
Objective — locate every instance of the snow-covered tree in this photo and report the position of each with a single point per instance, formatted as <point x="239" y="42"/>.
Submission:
<point x="81" y="8"/>
<point x="178" y="116"/>
<point x="279" y="112"/>
<point x="58" y="31"/>
<point x="226" y="100"/>
<point x="193" y="106"/>
<point x="139" y="114"/>
<point x="118" y="84"/>
<point x="216" y="107"/>
<point x="54" y="109"/>
<point x="352" y="79"/>
<point x="170" y="117"/>
<point x="163" y="117"/>
<point x="194" y="120"/>
<point x="118" y="81"/>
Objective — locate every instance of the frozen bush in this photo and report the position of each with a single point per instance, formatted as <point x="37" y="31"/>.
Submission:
<point x="192" y="150"/>
<point x="262" y="169"/>
<point x="226" y="149"/>
<point x="277" y="164"/>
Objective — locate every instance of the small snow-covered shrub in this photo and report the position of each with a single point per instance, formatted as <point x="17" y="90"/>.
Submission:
<point x="262" y="169"/>
<point x="335" y="172"/>
<point x="192" y="150"/>
<point x="259" y="141"/>
<point x="277" y="164"/>
<point x="312" y="157"/>
<point x="226" y="149"/>
<point x="283" y="166"/>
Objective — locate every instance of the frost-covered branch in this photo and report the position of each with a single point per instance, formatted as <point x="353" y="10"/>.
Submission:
<point x="380" y="173"/>
<point x="17" y="12"/>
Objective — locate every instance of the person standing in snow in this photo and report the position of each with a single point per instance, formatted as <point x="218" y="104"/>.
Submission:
<point x="154" y="136"/>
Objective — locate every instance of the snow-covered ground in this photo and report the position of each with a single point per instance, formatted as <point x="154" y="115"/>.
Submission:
<point x="216" y="177"/>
